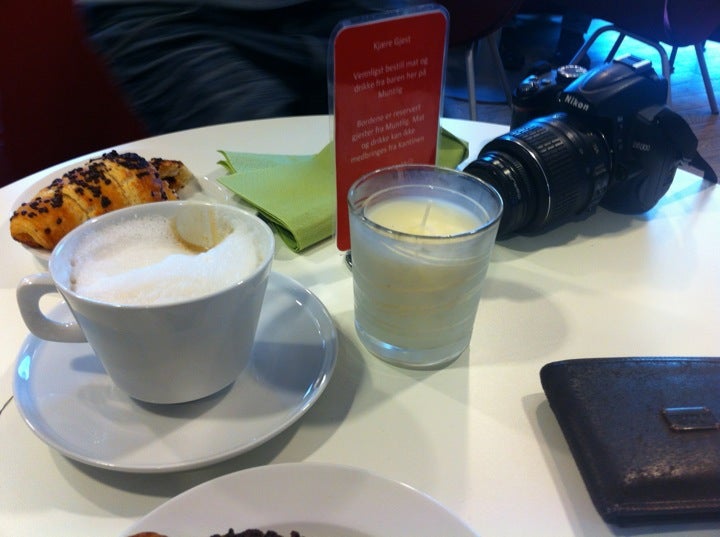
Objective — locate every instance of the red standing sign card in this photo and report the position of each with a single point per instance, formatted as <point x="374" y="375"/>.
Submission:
<point x="387" y="91"/>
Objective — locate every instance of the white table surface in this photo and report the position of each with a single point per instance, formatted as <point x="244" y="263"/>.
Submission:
<point x="478" y="435"/>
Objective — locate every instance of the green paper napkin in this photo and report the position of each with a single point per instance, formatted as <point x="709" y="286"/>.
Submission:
<point x="296" y="193"/>
<point x="452" y="150"/>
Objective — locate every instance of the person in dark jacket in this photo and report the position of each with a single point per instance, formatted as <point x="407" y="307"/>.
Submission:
<point x="188" y="63"/>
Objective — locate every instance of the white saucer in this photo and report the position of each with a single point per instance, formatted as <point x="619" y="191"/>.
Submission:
<point x="67" y="399"/>
<point x="318" y="500"/>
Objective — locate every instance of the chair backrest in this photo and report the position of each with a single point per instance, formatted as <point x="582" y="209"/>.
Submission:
<point x="472" y="20"/>
<point x="674" y="22"/>
<point x="57" y="100"/>
<point x="691" y="21"/>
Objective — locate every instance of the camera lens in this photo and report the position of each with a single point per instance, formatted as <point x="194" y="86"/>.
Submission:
<point x="547" y="170"/>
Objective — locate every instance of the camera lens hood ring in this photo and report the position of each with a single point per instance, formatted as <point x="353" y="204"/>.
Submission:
<point x="549" y="170"/>
<point x="537" y="170"/>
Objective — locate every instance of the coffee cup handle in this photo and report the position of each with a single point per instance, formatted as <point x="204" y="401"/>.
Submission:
<point x="29" y="292"/>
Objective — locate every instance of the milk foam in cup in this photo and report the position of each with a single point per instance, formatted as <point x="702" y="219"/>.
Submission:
<point x="144" y="262"/>
<point x="170" y="324"/>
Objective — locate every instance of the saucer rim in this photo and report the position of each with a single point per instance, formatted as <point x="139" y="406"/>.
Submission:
<point x="286" y="288"/>
<point x="303" y="495"/>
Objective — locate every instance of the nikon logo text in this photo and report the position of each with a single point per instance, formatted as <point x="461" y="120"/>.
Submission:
<point x="576" y="103"/>
<point x="641" y="146"/>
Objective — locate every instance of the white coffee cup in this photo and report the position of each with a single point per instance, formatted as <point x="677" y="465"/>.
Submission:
<point x="175" y="350"/>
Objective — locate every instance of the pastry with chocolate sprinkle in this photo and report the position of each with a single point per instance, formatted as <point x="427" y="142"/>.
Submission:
<point x="254" y="533"/>
<point x="230" y="533"/>
<point x="112" y="181"/>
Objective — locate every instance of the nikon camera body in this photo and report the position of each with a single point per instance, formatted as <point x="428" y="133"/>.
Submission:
<point x="609" y="140"/>
<point x="537" y="94"/>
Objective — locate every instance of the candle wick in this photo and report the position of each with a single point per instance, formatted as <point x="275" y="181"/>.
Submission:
<point x="423" y="223"/>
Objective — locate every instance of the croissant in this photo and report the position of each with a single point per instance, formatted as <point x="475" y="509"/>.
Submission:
<point x="103" y="184"/>
<point x="230" y="533"/>
<point x="172" y="172"/>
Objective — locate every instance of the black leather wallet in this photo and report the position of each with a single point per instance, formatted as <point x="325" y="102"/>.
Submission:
<point x="644" y="433"/>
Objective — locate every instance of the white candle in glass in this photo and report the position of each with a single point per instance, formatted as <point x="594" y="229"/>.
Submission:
<point x="419" y="260"/>
<point x="423" y="216"/>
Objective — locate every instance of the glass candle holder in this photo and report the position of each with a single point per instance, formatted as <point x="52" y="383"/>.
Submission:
<point x="421" y="238"/>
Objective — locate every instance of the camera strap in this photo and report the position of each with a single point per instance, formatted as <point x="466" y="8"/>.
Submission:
<point x="676" y="129"/>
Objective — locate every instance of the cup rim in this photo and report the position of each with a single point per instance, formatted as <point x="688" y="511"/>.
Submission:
<point x="427" y="167"/>
<point x="258" y="273"/>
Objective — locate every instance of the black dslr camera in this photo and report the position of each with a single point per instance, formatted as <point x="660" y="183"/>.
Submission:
<point x="612" y="141"/>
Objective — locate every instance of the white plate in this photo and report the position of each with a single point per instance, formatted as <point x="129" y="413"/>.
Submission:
<point x="317" y="500"/>
<point x="67" y="399"/>
<point x="200" y="188"/>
